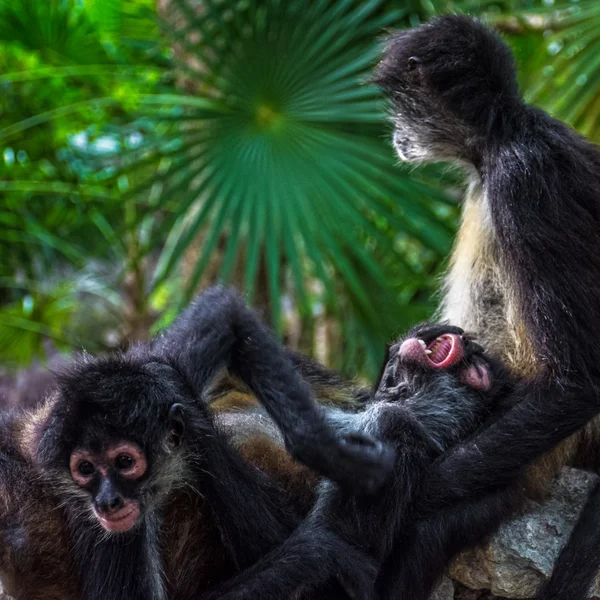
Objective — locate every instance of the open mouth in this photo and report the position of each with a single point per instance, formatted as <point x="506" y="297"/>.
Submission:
<point x="122" y="520"/>
<point x="443" y="352"/>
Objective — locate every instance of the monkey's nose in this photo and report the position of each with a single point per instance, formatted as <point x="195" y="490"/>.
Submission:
<point x="111" y="505"/>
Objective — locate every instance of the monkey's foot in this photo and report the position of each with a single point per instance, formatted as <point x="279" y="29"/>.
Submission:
<point x="355" y="461"/>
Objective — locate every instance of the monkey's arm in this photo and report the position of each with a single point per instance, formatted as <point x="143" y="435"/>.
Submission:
<point x="219" y="330"/>
<point x="345" y="537"/>
<point x="473" y="490"/>
<point x="544" y="415"/>
<point x="474" y="487"/>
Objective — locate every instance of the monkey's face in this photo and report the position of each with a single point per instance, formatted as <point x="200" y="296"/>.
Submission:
<point x="112" y="475"/>
<point x="116" y="477"/>
<point x="446" y="81"/>
<point x="424" y="130"/>
<point x="435" y="353"/>
<point x="112" y="438"/>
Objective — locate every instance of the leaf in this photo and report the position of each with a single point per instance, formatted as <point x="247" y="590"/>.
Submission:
<point x="283" y="154"/>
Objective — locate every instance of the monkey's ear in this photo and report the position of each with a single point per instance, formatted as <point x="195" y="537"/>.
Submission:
<point x="413" y="62"/>
<point x="176" y="426"/>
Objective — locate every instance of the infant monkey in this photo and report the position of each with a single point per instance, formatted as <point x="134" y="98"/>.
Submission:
<point x="437" y="387"/>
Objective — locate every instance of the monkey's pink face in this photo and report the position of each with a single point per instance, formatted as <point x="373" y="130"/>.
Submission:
<point x="111" y="476"/>
<point x="444" y="352"/>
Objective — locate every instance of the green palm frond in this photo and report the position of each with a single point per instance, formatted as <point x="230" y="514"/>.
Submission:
<point x="557" y="44"/>
<point x="48" y="311"/>
<point x="564" y="75"/>
<point x="126" y="28"/>
<point x="60" y="31"/>
<point x="291" y="173"/>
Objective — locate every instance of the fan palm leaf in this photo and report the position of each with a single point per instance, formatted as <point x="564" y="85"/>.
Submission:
<point x="292" y="170"/>
<point x="564" y="74"/>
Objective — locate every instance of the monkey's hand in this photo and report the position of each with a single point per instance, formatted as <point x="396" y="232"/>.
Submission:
<point x="355" y="461"/>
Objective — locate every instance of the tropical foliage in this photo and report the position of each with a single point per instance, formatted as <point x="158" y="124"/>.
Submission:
<point x="150" y="149"/>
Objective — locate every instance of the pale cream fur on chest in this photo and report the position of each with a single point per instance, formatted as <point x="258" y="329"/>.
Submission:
<point x="477" y="296"/>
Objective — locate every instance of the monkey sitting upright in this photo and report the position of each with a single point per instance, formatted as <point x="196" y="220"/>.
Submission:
<point x="436" y="389"/>
<point x="524" y="276"/>
<point x="122" y="485"/>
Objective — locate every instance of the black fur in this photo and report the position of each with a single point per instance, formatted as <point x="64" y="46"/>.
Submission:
<point x="540" y="183"/>
<point x="130" y="397"/>
<point x="418" y="410"/>
<point x="218" y="330"/>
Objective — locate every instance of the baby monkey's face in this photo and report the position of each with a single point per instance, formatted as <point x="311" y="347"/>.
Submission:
<point x="437" y="353"/>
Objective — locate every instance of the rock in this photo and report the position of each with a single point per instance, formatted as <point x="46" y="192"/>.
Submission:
<point x="522" y="553"/>
<point x="463" y="593"/>
<point x="445" y="590"/>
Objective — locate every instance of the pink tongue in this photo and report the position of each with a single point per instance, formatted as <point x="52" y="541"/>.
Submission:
<point x="412" y="349"/>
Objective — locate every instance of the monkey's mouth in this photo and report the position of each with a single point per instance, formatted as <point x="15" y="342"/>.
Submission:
<point x="122" y="520"/>
<point x="445" y="351"/>
<point x="402" y="146"/>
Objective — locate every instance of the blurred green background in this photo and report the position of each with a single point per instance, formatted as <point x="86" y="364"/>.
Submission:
<point x="149" y="148"/>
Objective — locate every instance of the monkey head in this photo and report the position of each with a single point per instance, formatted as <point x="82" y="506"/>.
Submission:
<point x="450" y="83"/>
<point x="445" y="380"/>
<point x="113" y="438"/>
<point x="440" y="355"/>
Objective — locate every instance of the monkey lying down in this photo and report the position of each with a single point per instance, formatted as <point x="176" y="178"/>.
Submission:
<point x="437" y="388"/>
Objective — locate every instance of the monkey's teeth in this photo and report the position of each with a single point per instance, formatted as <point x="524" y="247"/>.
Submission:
<point x="423" y="344"/>
<point x="428" y="351"/>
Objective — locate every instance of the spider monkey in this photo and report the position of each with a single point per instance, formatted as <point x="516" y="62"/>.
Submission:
<point x="124" y="475"/>
<point x="437" y="387"/>
<point x="523" y="276"/>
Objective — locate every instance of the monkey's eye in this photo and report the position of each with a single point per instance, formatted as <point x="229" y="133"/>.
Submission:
<point x="86" y="468"/>
<point x="123" y="462"/>
<point x="413" y="62"/>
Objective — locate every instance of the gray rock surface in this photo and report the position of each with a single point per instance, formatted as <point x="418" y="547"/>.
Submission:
<point x="522" y="553"/>
<point x="445" y="590"/>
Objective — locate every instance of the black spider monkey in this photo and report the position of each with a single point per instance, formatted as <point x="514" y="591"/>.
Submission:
<point x="437" y="387"/>
<point x="524" y="277"/>
<point x="130" y="477"/>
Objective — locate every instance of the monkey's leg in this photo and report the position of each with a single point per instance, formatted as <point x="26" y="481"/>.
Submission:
<point x="475" y="479"/>
<point x="307" y="560"/>
<point x="418" y="559"/>
<point x="579" y="560"/>
<point x="219" y="330"/>
<point x="344" y="537"/>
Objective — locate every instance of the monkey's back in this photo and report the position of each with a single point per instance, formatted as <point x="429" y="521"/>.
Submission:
<point x="35" y="562"/>
<point x="484" y="295"/>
